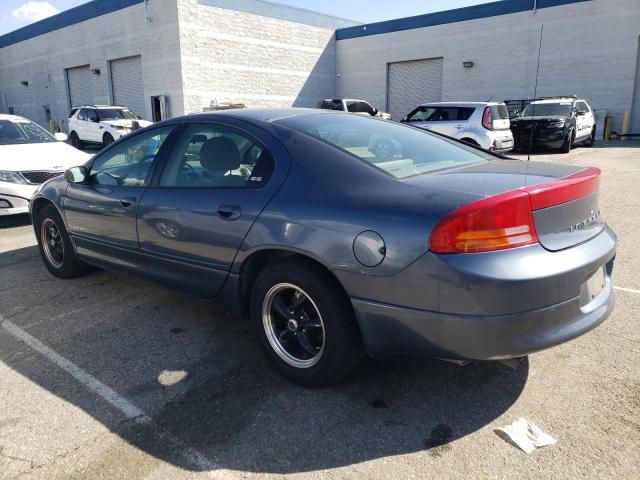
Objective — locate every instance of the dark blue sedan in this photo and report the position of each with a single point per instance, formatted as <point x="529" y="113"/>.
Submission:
<point x="338" y="234"/>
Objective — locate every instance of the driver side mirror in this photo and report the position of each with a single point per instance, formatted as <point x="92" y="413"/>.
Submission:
<point x="77" y="175"/>
<point x="61" y="137"/>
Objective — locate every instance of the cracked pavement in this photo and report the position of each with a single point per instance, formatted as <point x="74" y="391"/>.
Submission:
<point x="216" y="410"/>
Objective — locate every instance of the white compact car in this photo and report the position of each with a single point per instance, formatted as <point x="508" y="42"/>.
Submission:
<point x="29" y="156"/>
<point x="101" y="124"/>
<point x="482" y="124"/>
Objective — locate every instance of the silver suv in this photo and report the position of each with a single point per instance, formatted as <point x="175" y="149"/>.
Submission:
<point x="482" y="124"/>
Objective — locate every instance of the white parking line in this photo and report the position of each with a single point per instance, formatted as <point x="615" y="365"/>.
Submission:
<point x="96" y="386"/>
<point x="629" y="290"/>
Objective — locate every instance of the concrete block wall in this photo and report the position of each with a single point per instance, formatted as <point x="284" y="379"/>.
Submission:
<point x="230" y="55"/>
<point x="589" y="49"/>
<point x="42" y="60"/>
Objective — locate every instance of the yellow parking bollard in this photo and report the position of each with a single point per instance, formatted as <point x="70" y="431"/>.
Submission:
<point x="625" y="125"/>
<point x="61" y="126"/>
<point x="51" y="126"/>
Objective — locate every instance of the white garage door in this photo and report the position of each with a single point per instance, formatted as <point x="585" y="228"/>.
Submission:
<point x="635" y="108"/>
<point x="412" y="83"/>
<point x="80" y="92"/>
<point x="126" y="79"/>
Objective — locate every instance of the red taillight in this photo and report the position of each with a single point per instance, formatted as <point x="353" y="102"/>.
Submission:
<point x="494" y="223"/>
<point x="506" y="220"/>
<point x="486" y="119"/>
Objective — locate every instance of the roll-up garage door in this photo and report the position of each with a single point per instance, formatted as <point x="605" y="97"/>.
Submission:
<point x="413" y="83"/>
<point x="126" y="79"/>
<point x="635" y="107"/>
<point x="80" y="92"/>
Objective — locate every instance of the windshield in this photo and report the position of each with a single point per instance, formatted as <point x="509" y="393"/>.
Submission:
<point x="14" y="132"/>
<point x="562" y="109"/>
<point x="116" y="114"/>
<point x="396" y="149"/>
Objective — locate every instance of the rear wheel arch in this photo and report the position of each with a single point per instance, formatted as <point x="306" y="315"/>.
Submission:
<point x="258" y="261"/>
<point x="470" y="141"/>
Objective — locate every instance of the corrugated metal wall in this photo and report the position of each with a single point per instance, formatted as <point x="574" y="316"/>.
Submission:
<point x="128" y="88"/>
<point x="80" y="92"/>
<point x="412" y="83"/>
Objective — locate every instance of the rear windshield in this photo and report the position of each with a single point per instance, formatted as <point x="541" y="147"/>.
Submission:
<point x="116" y="114"/>
<point x="499" y="111"/>
<point x="399" y="150"/>
<point x="547" y="109"/>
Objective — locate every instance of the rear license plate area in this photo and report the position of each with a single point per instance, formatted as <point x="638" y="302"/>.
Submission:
<point x="593" y="287"/>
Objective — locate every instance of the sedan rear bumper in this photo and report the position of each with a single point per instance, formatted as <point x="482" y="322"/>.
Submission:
<point x="388" y="329"/>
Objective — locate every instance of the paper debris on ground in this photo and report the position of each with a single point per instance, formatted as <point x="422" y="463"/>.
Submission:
<point x="526" y="435"/>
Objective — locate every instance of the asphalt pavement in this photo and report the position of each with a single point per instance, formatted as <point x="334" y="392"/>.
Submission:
<point x="108" y="377"/>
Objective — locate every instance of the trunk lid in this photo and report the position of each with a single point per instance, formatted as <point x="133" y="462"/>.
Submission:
<point x="564" y="198"/>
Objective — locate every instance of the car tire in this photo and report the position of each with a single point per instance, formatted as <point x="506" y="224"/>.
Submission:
<point x="75" y="141"/>
<point x="55" y="245"/>
<point x="107" y="139"/>
<point x="592" y="138"/>
<point x="318" y="342"/>
<point x="568" y="142"/>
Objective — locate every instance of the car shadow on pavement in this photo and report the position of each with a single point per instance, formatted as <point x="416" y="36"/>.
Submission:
<point x="15" y="221"/>
<point x="197" y="372"/>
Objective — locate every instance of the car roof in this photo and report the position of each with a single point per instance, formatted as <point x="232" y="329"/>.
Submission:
<point x="261" y="114"/>
<point x="13" y="118"/>
<point x="100" y="106"/>
<point x="558" y="100"/>
<point x="459" y="104"/>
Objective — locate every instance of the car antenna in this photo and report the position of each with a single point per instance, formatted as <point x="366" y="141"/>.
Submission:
<point x="535" y="95"/>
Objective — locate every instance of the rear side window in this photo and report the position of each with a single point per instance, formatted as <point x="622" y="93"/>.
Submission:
<point x="331" y="105"/>
<point x="442" y="114"/>
<point x="83" y="114"/>
<point x="396" y="149"/>
<point x="216" y="156"/>
<point x="73" y="111"/>
<point x="92" y="115"/>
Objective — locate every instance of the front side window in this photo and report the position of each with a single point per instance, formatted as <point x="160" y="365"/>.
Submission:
<point x="129" y="163"/>
<point x="116" y="114"/>
<point x="422" y="114"/>
<point x="18" y="132"/>
<point x="398" y="150"/>
<point x="215" y="156"/>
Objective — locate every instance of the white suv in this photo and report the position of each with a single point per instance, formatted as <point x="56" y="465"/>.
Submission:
<point x="485" y="124"/>
<point x="101" y="124"/>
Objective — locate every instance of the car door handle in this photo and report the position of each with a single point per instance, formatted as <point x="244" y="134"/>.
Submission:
<point x="127" y="202"/>
<point x="229" y="212"/>
<point x="459" y="127"/>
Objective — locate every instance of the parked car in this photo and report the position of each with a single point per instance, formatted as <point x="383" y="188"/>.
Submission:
<point x="558" y="122"/>
<point x="102" y="124"/>
<point x="361" y="107"/>
<point x="482" y="124"/>
<point x="287" y="217"/>
<point x="29" y="156"/>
